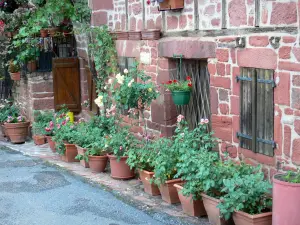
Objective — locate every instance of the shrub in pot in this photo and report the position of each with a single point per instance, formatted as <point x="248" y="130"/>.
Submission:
<point x="7" y="109"/>
<point x="97" y="156"/>
<point x="181" y="90"/>
<point x="14" y="71"/>
<point x="17" y="129"/>
<point x="41" y="121"/>
<point x="248" y="198"/>
<point x="286" y="195"/>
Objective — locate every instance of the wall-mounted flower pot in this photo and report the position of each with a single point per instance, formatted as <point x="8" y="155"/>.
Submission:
<point x="286" y="202"/>
<point x="51" y="143"/>
<point x="53" y="31"/>
<point x="181" y="97"/>
<point x="241" y="218"/>
<point x="98" y="163"/>
<point x="120" y="35"/>
<point x="120" y="169"/>
<point x="15" y="76"/>
<point x="82" y="151"/>
<point x="190" y="207"/>
<point x="149" y="188"/>
<point x="135" y="35"/>
<point x="39" y="139"/>
<point x="213" y="212"/>
<point x="44" y="33"/>
<point x="31" y="66"/>
<point x="168" y="192"/>
<point x="171" y="5"/>
<point x="153" y="34"/>
<point x="70" y="153"/>
<point x="17" y="132"/>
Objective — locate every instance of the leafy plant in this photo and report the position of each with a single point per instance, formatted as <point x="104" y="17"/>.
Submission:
<point x="64" y="134"/>
<point x="175" y="85"/>
<point x="247" y="193"/>
<point x="15" y="119"/>
<point x="291" y="177"/>
<point x="41" y="121"/>
<point x="13" y="67"/>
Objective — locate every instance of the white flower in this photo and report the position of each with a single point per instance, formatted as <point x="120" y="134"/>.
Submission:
<point x="126" y="71"/>
<point x="110" y="81"/>
<point x="120" y="78"/>
<point x="130" y="83"/>
<point x="180" y="118"/>
<point x="99" y="101"/>
<point x="105" y="87"/>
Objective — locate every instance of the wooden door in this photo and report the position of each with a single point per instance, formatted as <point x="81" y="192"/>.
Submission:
<point x="66" y="84"/>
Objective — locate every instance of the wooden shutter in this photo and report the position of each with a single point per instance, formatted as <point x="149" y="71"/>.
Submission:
<point x="91" y="91"/>
<point x="257" y="110"/>
<point x="66" y="83"/>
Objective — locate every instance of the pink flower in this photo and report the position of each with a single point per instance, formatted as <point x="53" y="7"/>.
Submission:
<point x="51" y="124"/>
<point x="67" y="119"/>
<point x="47" y="129"/>
<point x="64" y="123"/>
<point x="202" y="121"/>
<point x="180" y="118"/>
<point x="121" y="148"/>
<point x="58" y="126"/>
<point x="20" y="118"/>
<point x="206" y="121"/>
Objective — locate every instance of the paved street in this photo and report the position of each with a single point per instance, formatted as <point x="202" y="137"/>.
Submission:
<point x="33" y="193"/>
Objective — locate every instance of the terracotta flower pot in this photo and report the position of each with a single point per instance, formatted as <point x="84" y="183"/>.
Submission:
<point x="213" y="212"/>
<point x="39" y="139"/>
<point x="98" y="163"/>
<point x="51" y="143"/>
<point x="3" y="130"/>
<point x="17" y="132"/>
<point x="190" y="207"/>
<point x="241" y="218"/>
<point x="31" y="66"/>
<point x="149" y="188"/>
<point x="152" y="34"/>
<point x="81" y="151"/>
<point x="119" y="169"/>
<point x="134" y="35"/>
<point x="171" y="5"/>
<point x="168" y="192"/>
<point x="44" y="33"/>
<point x="15" y="76"/>
<point x="286" y="202"/>
<point x="70" y="153"/>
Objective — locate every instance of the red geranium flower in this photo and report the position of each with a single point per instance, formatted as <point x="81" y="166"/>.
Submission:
<point x="174" y="81"/>
<point x="190" y="85"/>
<point x="170" y="82"/>
<point x="188" y="78"/>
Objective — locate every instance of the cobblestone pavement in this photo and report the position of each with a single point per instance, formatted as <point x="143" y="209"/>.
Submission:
<point x="40" y="190"/>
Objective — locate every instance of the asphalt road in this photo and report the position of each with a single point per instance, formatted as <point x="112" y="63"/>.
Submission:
<point x="34" y="193"/>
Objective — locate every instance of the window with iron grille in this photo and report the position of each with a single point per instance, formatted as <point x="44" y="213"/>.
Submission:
<point x="199" y="106"/>
<point x="257" y="110"/>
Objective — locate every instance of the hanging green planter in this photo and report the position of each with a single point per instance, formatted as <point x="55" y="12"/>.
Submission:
<point x="181" y="97"/>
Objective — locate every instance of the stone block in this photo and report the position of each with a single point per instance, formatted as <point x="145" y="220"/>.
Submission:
<point x="296" y="152"/>
<point x="281" y="92"/>
<point x="222" y="126"/>
<point x="287" y="140"/>
<point x="259" y="41"/>
<point x="284" y="13"/>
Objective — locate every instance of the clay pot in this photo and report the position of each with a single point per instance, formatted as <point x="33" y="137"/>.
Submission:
<point x="190" y="207"/>
<point x="119" y="169"/>
<point x="15" y="76"/>
<point x="39" y="139"/>
<point x="53" y="31"/>
<point x="241" y="218"/>
<point x="153" y="34"/>
<point x="31" y="66"/>
<point x="134" y="35"/>
<point x="17" y="132"/>
<point x="149" y="188"/>
<point x="121" y="35"/>
<point x="169" y="192"/>
<point x="51" y="143"/>
<point x="44" y="33"/>
<point x="98" y="163"/>
<point x="70" y="153"/>
<point x="82" y="151"/>
<point x="213" y="212"/>
<point x="171" y="5"/>
<point x="286" y="202"/>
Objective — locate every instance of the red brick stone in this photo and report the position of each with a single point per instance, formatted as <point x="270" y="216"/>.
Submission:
<point x="222" y="55"/>
<point x="223" y="82"/>
<point x="232" y="151"/>
<point x="235" y="105"/>
<point x="285" y="52"/>
<point x="281" y="95"/>
<point x="182" y="21"/>
<point x="210" y="10"/>
<point x="222" y="126"/>
<point x="163" y="76"/>
<point x="228" y="69"/>
<point x="223" y="95"/>
<point x="289" y="66"/>
<point x="251" y="21"/>
<point x="137" y="8"/>
<point x="297" y="126"/>
<point x="44" y="86"/>
<point x="235" y="128"/>
<point x="214" y="101"/>
<point x="263" y="58"/>
<point x="296" y="152"/>
<point x="106" y="4"/>
<point x="158" y="22"/>
<point x="284" y="13"/>
<point x="227" y="39"/>
<point x="264" y="16"/>
<point x="99" y="18"/>
<point x="221" y="69"/>
<point x="132" y="23"/>
<point x="235" y="85"/>
<point x="289" y="168"/>
<point x="296" y="80"/>
<point x="296" y="98"/>
<point x="288" y="39"/>
<point x="250" y="162"/>
<point x="288" y="111"/>
<point x="215" y="22"/>
<point x="233" y="55"/>
<point x="224" y="108"/>
<point x="296" y="52"/>
<point x="237" y="13"/>
<point x="287" y="140"/>
<point x="212" y="69"/>
<point x="128" y="48"/>
<point x="43" y="104"/>
<point x="263" y="159"/>
<point x="172" y="22"/>
<point x="297" y="112"/>
<point x="43" y="95"/>
<point x="166" y="64"/>
<point x="278" y="131"/>
<point x="259" y="41"/>
<point x="168" y="131"/>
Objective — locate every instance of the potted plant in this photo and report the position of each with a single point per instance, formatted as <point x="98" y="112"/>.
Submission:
<point x="181" y="90"/>
<point x="41" y="121"/>
<point x="97" y="156"/>
<point x="248" y="198"/>
<point x="7" y="108"/>
<point x="17" y="129"/>
<point x="286" y="189"/>
<point x="14" y="71"/>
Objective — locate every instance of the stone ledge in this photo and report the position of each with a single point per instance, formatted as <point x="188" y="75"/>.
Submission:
<point x="128" y="48"/>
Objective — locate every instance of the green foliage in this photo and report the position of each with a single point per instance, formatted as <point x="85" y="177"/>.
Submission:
<point x="291" y="177"/>
<point x="82" y="11"/>
<point x="27" y="48"/>
<point x="175" y="85"/>
<point x="7" y="108"/>
<point x="247" y="193"/>
<point x="41" y="121"/>
<point x="15" y="119"/>
<point x="64" y="134"/>
<point x="13" y="67"/>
